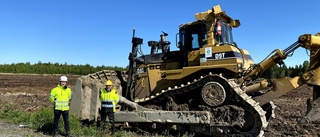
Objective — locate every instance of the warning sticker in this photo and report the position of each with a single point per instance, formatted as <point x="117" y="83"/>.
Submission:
<point x="208" y="52"/>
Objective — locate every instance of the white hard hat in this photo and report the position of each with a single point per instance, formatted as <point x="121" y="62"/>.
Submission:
<point x="63" y="78"/>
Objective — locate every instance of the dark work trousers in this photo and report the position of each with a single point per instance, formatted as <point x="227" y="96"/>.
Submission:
<point x="65" y="115"/>
<point x="111" y="119"/>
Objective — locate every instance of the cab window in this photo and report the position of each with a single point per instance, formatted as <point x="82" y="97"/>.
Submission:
<point x="195" y="41"/>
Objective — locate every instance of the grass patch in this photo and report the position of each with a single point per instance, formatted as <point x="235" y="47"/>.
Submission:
<point x="42" y="121"/>
<point x="11" y="115"/>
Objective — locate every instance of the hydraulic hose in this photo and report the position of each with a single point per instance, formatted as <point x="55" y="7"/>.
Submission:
<point x="292" y="47"/>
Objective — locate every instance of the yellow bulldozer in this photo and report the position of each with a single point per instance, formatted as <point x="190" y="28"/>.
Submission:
<point x="208" y="87"/>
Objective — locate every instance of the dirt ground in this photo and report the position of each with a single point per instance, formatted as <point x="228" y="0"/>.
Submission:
<point x="31" y="92"/>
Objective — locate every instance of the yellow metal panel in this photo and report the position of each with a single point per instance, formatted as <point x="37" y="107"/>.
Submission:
<point x="315" y="79"/>
<point x="193" y="55"/>
<point x="142" y="87"/>
<point x="217" y="9"/>
<point x="154" y="77"/>
<point x="194" y="58"/>
<point x="202" y="15"/>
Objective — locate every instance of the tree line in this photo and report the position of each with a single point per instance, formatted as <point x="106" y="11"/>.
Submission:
<point x="54" y="68"/>
<point x="58" y="68"/>
<point x="280" y="71"/>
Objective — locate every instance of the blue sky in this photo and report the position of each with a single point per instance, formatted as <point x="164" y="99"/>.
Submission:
<point x="98" y="32"/>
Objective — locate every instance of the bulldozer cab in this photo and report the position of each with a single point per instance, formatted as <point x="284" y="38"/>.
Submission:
<point x="194" y="35"/>
<point x="212" y="28"/>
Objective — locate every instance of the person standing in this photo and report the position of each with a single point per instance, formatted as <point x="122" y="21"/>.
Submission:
<point x="109" y="99"/>
<point x="61" y="96"/>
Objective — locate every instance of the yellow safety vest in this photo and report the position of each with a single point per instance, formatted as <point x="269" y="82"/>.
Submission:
<point x="109" y="100"/>
<point x="60" y="96"/>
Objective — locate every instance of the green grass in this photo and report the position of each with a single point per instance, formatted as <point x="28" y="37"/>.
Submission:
<point x="11" y="115"/>
<point x="42" y="121"/>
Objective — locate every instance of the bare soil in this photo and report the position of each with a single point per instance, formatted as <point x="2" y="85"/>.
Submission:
<point x="29" y="93"/>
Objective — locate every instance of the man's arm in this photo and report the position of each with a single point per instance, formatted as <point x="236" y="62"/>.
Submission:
<point x="52" y="95"/>
<point x="70" y="93"/>
<point x="69" y="96"/>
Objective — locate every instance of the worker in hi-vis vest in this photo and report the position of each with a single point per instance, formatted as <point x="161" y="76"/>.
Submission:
<point x="61" y="96"/>
<point x="109" y="99"/>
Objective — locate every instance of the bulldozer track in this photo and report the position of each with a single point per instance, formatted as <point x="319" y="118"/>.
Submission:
<point x="257" y="112"/>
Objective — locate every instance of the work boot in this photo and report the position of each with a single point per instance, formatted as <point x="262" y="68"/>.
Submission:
<point x="55" y="134"/>
<point x="68" y="134"/>
<point x="112" y="131"/>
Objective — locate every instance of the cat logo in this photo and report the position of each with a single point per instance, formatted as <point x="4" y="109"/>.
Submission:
<point x="219" y="55"/>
